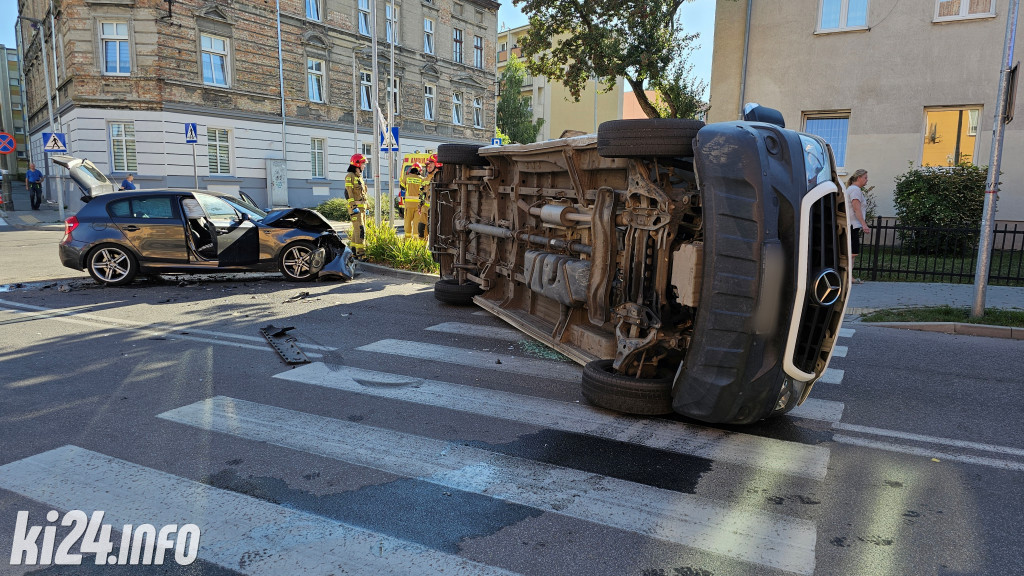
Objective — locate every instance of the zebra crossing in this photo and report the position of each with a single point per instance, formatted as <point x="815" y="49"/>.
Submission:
<point x="255" y="536"/>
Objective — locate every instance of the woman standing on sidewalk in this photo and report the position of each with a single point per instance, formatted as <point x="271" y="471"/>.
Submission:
<point x="859" y="225"/>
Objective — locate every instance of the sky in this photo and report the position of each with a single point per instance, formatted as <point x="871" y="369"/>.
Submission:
<point x="696" y="16"/>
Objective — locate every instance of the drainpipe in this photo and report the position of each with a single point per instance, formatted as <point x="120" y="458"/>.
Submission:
<point x="284" y="118"/>
<point x="355" y="102"/>
<point x="746" y="48"/>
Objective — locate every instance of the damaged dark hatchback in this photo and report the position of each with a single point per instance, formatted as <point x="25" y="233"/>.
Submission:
<point x="118" y="235"/>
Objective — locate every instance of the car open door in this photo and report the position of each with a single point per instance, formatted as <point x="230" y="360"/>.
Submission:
<point x="89" y="178"/>
<point x="235" y="237"/>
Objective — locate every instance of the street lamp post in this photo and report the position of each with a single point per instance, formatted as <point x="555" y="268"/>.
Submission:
<point x="38" y="26"/>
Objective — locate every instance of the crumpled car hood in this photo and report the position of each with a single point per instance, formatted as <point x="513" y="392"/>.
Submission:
<point x="302" y="218"/>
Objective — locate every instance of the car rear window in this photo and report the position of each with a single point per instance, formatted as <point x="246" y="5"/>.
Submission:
<point x="149" y="207"/>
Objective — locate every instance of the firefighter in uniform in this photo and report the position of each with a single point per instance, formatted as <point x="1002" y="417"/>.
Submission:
<point x="414" y="185"/>
<point x="433" y="172"/>
<point x="355" y="190"/>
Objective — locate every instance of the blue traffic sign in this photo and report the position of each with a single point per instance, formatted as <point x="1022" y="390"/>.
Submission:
<point x="495" y="141"/>
<point x="392" y="141"/>
<point x="55" y="142"/>
<point x="7" y="143"/>
<point x="190" y="133"/>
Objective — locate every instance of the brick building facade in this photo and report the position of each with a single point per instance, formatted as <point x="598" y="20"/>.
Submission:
<point x="132" y="73"/>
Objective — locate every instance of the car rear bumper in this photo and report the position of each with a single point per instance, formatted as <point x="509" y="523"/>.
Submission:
<point x="72" y="254"/>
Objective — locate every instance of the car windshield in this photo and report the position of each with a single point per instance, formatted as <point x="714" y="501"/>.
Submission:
<point x="241" y="205"/>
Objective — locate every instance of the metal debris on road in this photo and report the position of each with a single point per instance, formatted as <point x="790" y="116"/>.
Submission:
<point x="284" y="344"/>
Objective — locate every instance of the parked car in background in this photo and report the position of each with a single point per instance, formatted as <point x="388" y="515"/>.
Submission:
<point x="118" y="235"/>
<point x="689" y="268"/>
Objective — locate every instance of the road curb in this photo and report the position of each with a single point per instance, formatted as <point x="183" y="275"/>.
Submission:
<point x="960" y="328"/>
<point x="418" y="277"/>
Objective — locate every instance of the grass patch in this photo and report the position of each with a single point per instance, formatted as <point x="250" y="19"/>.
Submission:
<point x="384" y="246"/>
<point x="992" y="317"/>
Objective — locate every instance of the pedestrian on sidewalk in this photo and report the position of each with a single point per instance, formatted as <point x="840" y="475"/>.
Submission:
<point x="859" y="225"/>
<point x="128" y="183"/>
<point x="34" y="183"/>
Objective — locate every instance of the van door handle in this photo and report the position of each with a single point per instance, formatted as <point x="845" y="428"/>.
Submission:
<point x="131" y="228"/>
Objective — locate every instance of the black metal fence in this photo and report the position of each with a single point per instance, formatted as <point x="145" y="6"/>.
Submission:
<point x="893" y="252"/>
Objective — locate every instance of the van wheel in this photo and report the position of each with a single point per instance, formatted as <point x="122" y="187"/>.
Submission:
<point x="465" y="154"/>
<point x="449" y="291"/>
<point x="603" y="387"/>
<point x="647" y="138"/>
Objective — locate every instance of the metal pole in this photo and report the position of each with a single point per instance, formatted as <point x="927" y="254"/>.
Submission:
<point x="355" y="103"/>
<point x="392" y="99"/>
<point x="56" y="82"/>
<point x="284" y="116"/>
<point x="595" y="102"/>
<point x="195" y="165"/>
<point x="992" y="182"/>
<point x="49" y="113"/>
<point x="746" y="48"/>
<point x="376" y="111"/>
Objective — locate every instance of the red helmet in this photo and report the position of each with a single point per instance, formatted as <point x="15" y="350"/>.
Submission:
<point x="357" y="160"/>
<point x="433" y="158"/>
<point x="417" y="166"/>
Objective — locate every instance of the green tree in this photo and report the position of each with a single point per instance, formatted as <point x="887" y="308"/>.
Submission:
<point x="515" y="119"/>
<point x="639" y="40"/>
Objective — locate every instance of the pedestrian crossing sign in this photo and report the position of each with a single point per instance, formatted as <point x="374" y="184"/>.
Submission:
<point x="190" y="133"/>
<point x="55" y="142"/>
<point x="389" y="140"/>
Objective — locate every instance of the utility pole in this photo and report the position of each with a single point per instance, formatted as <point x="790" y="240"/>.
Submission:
<point x="992" y="182"/>
<point x="392" y="103"/>
<point x="376" y="112"/>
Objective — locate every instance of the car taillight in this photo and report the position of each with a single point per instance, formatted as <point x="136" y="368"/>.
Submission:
<point x="69" y="225"/>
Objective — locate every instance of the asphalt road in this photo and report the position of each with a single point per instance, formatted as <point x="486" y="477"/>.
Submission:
<point x="423" y="438"/>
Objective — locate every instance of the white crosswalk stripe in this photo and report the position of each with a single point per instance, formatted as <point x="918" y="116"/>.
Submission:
<point x="831" y="376"/>
<point x="476" y="359"/>
<point x="479" y="331"/>
<point x="754" y="536"/>
<point x="766" y="453"/>
<point x="238" y="532"/>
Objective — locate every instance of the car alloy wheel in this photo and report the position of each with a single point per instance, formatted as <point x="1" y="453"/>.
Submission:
<point x="112" y="265"/>
<point x="297" y="261"/>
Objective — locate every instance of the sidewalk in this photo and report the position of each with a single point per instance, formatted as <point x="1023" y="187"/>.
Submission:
<point x="22" y="214"/>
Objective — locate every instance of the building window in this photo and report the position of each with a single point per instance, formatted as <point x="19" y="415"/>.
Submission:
<point x="364" y="17"/>
<point x="391" y="25"/>
<point x="219" y="150"/>
<point x="122" y="146"/>
<point x="950" y="136"/>
<point x="215" y="60"/>
<point x="457" y="108"/>
<point x="367" y="152"/>
<point x="428" y="36"/>
<point x="834" y="129"/>
<point x="963" y="9"/>
<point x="315" y="79"/>
<point x="843" y="14"/>
<point x="116" y="49"/>
<point x="394" y="91"/>
<point x="317" y="157"/>
<point x="428" y="101"/>
<point x="478" y="51"/>
<point x="478" y="113"/>
<point x="313" y="9"/>
<point x="365" y="91"/>
<point x="457" y="45"/>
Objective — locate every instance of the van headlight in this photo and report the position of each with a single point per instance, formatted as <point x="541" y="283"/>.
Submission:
<point x="817" y="168"/>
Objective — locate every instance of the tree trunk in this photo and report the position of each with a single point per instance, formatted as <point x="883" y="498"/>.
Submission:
<point x="641" y="98"/>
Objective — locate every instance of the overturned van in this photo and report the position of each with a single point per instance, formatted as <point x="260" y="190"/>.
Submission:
<point x="689" y="268"/>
